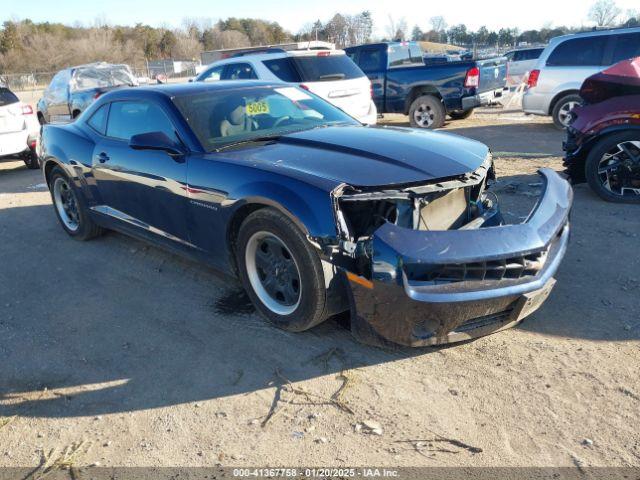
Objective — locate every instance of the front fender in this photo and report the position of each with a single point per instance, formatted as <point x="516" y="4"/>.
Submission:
<point x="309" y="207"/>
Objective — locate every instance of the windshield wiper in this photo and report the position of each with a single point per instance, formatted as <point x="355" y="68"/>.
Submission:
<point x="264" y="138"/>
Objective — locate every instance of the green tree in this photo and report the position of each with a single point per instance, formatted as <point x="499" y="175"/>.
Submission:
<point x="9" y="39"/>
<point x="416" y="34"/>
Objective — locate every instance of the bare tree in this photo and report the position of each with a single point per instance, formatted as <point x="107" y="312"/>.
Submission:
<point x="604" y="12"/>
<point x="397" y="29"/>
<point x="438" y="24"/>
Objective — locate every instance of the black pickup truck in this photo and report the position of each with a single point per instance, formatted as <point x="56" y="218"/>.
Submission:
<point x="403" y="83"/>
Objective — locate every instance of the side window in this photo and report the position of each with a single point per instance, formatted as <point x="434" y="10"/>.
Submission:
<point x="98" y="120"/>
<point x="212" y="75"/>
<point x="399" y="56"/>
<point x="370" y="60"/>
<point x="239" y="71"/>
<point x="627" y="46"/>
<point x="587" y="51"/>
<point x="127" y="119"/>
<point x="283" y="69"/>
<point x="517" y="56"/>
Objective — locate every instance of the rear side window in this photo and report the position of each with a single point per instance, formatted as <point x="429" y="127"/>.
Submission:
<point x="239" y="71"/>
<point x="403" y="55"/>
<point x="7" y="97"/>
<point x="588" y="51"/>
<point x="523" y="55"/>
<point x="627" y="46"/>
<point x="127" y="119"/>
<point x="371" y="60"/>
<point x="326" y="68"/>
<point x="98" y="120"/>
<point x="284" y="69"/>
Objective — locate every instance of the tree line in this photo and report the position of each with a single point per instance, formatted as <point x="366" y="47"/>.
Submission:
<point x="26" y="46"/>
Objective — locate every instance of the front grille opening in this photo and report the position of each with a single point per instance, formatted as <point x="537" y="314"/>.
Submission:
<point x="512" y="268"/>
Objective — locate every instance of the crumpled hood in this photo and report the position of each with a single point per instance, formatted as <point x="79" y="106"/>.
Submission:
<point x="369" y="156"/>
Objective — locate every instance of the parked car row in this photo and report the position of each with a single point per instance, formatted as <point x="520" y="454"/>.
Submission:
<point x="263" y="168"/>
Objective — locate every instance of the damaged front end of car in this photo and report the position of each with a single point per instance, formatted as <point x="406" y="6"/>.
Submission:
<point x="434" y="263"/>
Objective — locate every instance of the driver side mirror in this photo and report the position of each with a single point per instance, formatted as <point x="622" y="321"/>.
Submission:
<point x="155" y="141"/>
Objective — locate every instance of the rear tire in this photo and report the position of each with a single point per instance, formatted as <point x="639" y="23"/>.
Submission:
<point x="461" y="114"/>
<point x="71" y="208"/>
<point x="426" y="111"/>
<point x="599" y="157"/>
<point x="31" y="160"/>
<point x="561" y="109"/>
<point x="280" y="271"/>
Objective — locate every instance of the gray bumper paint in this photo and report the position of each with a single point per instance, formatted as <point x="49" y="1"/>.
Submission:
<point x="402" y="311"/>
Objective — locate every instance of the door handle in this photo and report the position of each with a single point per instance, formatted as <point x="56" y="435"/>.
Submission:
<point x="102" y="157"/>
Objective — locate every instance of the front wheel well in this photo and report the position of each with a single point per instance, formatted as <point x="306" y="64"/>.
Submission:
<point x="559" y="96"/>
<point x="48" y="168"/>
<point x="234" y="228"/>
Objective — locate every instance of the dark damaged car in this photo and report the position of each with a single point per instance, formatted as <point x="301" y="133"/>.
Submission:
<point x="315" y="213"/>
<point x="603" y="137"/>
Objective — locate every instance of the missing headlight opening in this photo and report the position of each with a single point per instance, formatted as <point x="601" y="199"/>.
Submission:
<point x="455" y="203"/>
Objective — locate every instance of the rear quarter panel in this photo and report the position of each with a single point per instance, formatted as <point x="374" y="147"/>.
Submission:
<point x="70" y="148"/>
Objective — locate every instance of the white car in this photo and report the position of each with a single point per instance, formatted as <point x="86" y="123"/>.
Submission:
<point x="330" y="74"/>
<point x="19" y="129"/>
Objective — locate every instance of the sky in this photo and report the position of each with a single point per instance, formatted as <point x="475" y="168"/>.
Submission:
<point x="293" y="14"/>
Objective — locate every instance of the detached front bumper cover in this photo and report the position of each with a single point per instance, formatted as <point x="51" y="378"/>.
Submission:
<point x="432" y="287"/>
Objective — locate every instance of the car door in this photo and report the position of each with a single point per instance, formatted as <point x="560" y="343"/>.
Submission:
<point x="145" y="188"/>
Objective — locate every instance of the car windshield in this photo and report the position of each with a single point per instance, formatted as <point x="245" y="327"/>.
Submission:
<point x="101" y="77"/>
<point x="245" y="114"/>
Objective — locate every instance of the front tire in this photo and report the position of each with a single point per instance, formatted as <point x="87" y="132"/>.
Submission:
<point x="461" y="114"/>
<point x="612" y="168"/>
<point x="426" y="111"/>
<point x="281" y="271"/>
<point x="70" y="207"/>
<point x="561" y="110"/>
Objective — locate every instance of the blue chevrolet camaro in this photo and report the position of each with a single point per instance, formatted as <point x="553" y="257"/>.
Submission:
<point x="315" y="213"/>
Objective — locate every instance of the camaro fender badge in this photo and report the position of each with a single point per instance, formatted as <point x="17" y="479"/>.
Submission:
<point x="200" y="204"/>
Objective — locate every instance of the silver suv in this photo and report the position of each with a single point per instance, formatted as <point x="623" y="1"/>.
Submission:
<point x="567" y="61"/>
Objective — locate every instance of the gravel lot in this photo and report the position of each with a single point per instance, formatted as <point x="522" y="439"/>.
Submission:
<point x="152" y="360"/>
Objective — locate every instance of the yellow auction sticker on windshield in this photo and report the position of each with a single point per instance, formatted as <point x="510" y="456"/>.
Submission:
<point x="257" y="108"/>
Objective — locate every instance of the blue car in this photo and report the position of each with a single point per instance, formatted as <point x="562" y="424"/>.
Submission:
<point x="315" y="213"/>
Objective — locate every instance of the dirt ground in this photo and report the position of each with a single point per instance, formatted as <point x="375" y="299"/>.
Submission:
<point x="152" y="360"/>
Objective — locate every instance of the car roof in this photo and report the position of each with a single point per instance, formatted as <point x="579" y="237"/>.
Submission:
<point x="594" y="33"/>
<point x="180" y="89"/>
<point x="272" y="55"/>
